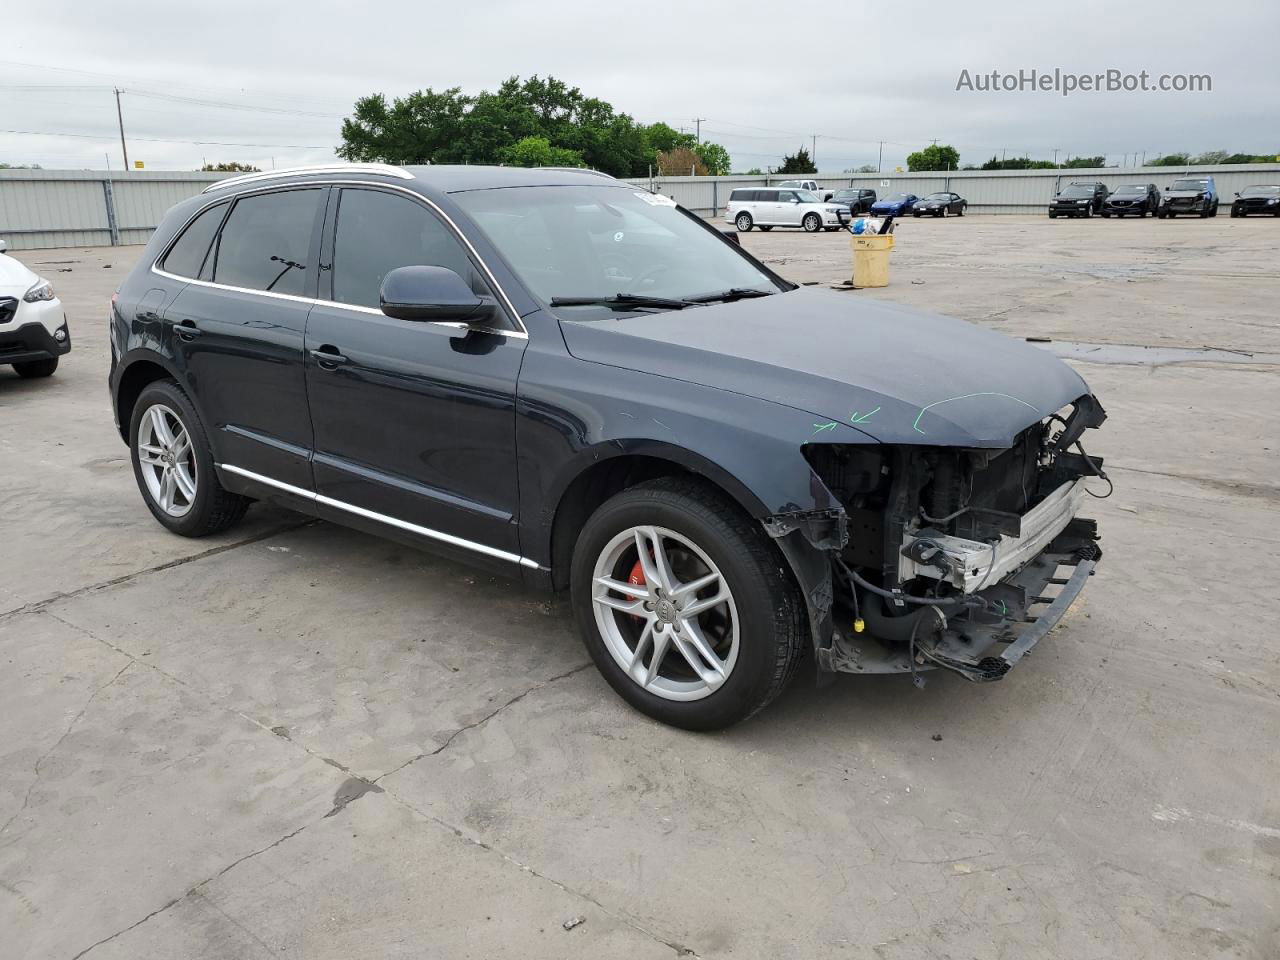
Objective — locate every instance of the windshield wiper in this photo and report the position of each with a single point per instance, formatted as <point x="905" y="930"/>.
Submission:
<point x="733" y="293"/>
<point x="623" y="300"/>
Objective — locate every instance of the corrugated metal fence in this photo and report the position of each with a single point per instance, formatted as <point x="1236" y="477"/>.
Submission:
<point x="88" y="208"/>
<point x="61" y="208"/>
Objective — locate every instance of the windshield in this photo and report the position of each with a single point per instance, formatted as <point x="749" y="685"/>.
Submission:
<point x="1078" y="190"/>
<point x="898" y="196"/>
<point x="938" y="196"/>
<point x="1131" y="188"/>
<point x="1189" y="185"/>
<point x="601" y="241"/>
<point x="807" y="196"/>
<point x="1260" y="192"/>
<point x="845" y="195"/>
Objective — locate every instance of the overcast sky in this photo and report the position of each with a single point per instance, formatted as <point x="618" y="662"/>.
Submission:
<point x="765" y="83"/>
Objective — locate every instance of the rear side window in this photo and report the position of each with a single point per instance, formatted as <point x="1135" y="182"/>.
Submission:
<point x="738" y="196"/>
<point x="378" y="232"/>
<point x="186" y="257"/>
<point x="768" y="195"/>
<point x="266" y="242"/>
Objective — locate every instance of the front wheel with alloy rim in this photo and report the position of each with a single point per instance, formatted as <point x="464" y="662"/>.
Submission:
<point x="743" y="222"/>
<point x="173" y="465"/>
<point x="685" y="604"/>
<point x="812" y="223"/>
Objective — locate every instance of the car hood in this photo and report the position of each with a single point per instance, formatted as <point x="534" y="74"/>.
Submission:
<point x="14" y="275"/>
<point x="858" y="366"/>
<point x="1186" y="194"/>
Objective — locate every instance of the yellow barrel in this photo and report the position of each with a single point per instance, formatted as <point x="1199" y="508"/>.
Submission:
<point x="871" y="259"/>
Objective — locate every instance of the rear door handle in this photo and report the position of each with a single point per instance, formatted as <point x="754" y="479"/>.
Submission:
<point x="187" y="330"/>
<point x="328" y="357"/>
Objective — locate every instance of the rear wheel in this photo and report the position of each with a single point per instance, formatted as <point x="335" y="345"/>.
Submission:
<point x="960" y="212"/>
<point x="743" y="222"/>
<point x="812" y="223"/>
<point x="685" y="605"/>
<point x="173" y="465"/>
<point x="1088" y="211"/>
<point x="36" y="368"/>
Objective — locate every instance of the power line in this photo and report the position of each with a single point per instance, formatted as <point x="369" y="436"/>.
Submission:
<point x="206" y="143"/>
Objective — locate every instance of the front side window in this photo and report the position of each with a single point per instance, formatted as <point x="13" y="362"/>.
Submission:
<point x="186" y="257"/>
<point x="600" y="241"/>
<point x="266" y="242"/>
<point x="377" y="232"/>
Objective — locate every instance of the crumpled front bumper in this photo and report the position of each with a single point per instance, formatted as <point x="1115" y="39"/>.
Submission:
<point x="980" y="645"/>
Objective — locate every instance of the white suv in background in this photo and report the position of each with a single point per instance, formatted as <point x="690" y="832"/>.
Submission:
<point x="33" y="328"/>
<point x="769" y="207"/>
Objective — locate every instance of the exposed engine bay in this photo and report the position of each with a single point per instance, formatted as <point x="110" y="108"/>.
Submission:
<point x="955" y="558"/>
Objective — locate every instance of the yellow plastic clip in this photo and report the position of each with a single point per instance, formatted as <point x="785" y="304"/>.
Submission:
<point x="859" y="625"/>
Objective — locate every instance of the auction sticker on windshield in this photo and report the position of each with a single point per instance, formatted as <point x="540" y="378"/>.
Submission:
<point x="656" y="199"/>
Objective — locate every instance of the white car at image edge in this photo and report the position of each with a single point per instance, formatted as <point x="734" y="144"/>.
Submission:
<point x="33" y="327"/>
<point x="769" y="207"/>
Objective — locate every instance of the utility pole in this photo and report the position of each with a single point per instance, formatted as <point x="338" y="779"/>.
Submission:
<point x="1055" y="156"/>
<point x="813" y="152"/>
<point x="120" y="120"/>
<point x="880" y="162"/>
<point x="698" y="121"/>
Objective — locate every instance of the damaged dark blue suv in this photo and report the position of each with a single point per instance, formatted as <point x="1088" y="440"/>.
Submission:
<point x="562" y="376"/>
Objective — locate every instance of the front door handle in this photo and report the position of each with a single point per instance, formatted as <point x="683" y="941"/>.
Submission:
<point x="328" y="357"/>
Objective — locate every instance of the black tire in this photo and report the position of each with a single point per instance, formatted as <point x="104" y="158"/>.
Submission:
<point x="1053" y="215"/>
<point x="1106" y="214"/>
<point x="32" y="369"/>
<point x="743" y="222"/>
<point x="963" y="207"/>
<point x="915" y="213"/>
<point x="773" y="629"/>
<point x="765" y="229"/>
<point x="1088" y="211"/>
<point x="213" y="509"/>
<point x="811" y="223"/>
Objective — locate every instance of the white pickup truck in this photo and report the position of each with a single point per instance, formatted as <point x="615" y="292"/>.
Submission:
<point x="822" y="193"/>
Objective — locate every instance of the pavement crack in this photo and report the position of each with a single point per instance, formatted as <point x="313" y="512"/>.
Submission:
<point x="679" y="949"/>
<point x="37" y="605"/>
<point x="26" y="799"/>
<point x="483" y="720"/>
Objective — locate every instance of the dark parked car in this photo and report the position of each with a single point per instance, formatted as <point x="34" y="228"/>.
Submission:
<point x="1264" y="198"/>
<point x="940" y="204"/>
<point x="898" y="204"/>
<point x="858" y="200"/>
<point x="1198" y="195"/>
<point x="1132" y="199"/>
<point x="564" y="378"/>
<point x="1082" y="199"/>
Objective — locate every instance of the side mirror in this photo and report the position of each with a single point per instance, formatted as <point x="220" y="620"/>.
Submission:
<point x="1166" y="189"/>
<point x="795" y="199"/>
<point x="433" y="295"/>
<point x="4" y="246"/>
<point x="2" y="242"/>
<point x="731" y="236"/>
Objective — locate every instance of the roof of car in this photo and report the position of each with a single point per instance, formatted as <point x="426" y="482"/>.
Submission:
<point x="448" y="178"/>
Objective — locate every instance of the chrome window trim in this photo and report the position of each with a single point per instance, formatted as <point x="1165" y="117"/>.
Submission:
<point x="381" y="517"/>
<point x="382" y="169"/>
<point x="521" y="333"/>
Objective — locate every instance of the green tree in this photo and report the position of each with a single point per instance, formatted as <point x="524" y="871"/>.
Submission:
<point x="1075" y="163"/>
<point x="1171" y="160"/>
<point x="232" y="166"/>
<point x="538" y="152"/>
<point x="754" y="172"/>
<point x="714" y="157"/>
<point x="681" y="162"/>
<point x="934" y="157"/>
<point x="801" y="162"/>
<point x="1018" y="163"/>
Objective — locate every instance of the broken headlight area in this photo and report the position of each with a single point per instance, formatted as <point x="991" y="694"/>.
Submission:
<point x="959" y="558"/>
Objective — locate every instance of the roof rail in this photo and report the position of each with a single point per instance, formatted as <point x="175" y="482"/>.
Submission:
<point x="384" y="169"/>
<point x="594" y="173"/>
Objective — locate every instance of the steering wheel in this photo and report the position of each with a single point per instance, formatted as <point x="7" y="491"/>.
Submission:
<point x="650" y="274"/>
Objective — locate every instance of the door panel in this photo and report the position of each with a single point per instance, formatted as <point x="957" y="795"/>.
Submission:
<point x="242" y="347"/>
<point x="415" y="421"/>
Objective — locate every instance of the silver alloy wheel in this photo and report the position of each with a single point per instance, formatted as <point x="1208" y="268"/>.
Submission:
<point x="167" y="460"/>
<point x="743" y="222"/>
<point x="677" y="638"/>
<point x="812" y="223"/>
